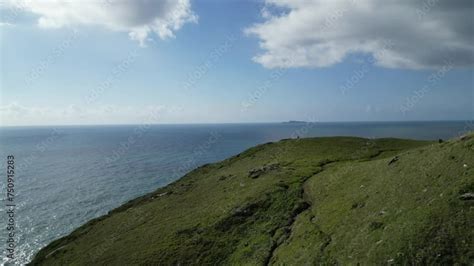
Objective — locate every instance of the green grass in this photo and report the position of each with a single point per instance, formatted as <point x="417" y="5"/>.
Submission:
<point x="320" y="200"/>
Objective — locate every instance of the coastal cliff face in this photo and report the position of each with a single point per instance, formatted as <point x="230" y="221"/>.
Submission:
<point x="337" y="200"/>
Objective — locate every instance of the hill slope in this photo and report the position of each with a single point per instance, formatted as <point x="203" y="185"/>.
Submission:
<point x="322" y="200"/>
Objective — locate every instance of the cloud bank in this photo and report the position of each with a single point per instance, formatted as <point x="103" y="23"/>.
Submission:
<point x="396" y="33"/>
<point x="14" y="114"/>
<point x="137" y="17"/>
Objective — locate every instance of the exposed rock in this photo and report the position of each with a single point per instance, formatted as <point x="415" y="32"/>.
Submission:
<point x="394" y="159"/>
<point x="467" y="196"/>
<point x="256" y="173"/>
<point x="224" y="177"/>
<point x="357" y="205"/>
<point x="376" y="225"/>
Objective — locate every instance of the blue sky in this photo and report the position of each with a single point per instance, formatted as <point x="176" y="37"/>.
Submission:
<point x="209" y="72"/>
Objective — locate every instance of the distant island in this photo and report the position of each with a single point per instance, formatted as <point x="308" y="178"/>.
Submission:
<point x="295" y="122"/>
<point x="334" y="200"/>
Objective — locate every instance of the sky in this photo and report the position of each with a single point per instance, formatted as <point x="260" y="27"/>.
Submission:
<point x="163" y="61"/>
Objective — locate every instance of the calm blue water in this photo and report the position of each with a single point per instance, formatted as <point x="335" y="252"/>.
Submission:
<point x="66" y="176"/>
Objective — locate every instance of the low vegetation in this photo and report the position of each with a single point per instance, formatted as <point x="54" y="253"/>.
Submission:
<point x="337" y="200"/>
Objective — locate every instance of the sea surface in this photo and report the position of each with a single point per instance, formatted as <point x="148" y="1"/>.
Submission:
<point x="67" y="175"/>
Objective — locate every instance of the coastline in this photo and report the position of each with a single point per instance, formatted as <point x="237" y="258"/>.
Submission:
<point x="278" y="189"/>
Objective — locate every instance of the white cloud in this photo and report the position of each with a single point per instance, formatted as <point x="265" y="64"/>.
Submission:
<point x="397" y="33"/>
<point x="5" y="24"/>
<point x="137" y="17"/>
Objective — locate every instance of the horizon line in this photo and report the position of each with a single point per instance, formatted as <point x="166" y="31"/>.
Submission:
<point x="234" y="123"/>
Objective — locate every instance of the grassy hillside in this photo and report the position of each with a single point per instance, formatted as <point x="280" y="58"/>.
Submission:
<point x="322" y="200"/>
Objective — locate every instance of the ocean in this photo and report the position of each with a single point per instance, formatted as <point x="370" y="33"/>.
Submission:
<point x="67" y="175"/>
